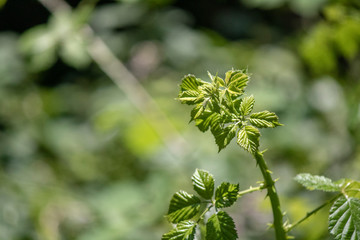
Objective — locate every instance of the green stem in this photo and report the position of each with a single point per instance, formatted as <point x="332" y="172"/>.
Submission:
<point x="205" y="211"/>
<point x="309" y="214"/>
<point x="278" y="224"/>
<point x="250" y="190"/>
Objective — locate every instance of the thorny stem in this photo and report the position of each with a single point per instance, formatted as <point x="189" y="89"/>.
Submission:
<point x="309" y="214"/>
<point x="278" y="225"/>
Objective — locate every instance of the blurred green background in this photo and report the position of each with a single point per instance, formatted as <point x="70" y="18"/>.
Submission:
<point x="91" y="150"/>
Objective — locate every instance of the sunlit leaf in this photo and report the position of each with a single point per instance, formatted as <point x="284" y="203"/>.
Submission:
<point x="196" y="111"/>
<point x="344" y="219"/>
<point x="216" y="79"/>
<point x="248" y="138"/>
<point x="205" y="120"/>
<point x="183" y="206"/>
<point x="236" y="81"/>
<point x="314" y="182"/>
<point x="223" y="136"/>
<point x="264" y="119"/>
<point x="220" y="226"/>
<point x="184" y="231"/>
<point x="203" y="183"/>
<point x="226" y="194"/>
<point x="247" y="105"/>
<point x="190" y="92"/>
<point x="352" y="188"/>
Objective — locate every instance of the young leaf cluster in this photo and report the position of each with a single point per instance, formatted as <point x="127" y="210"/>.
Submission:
<point x="221" y="107"/>
<point x="188" y="210"/>
<point x="344" y="215"/>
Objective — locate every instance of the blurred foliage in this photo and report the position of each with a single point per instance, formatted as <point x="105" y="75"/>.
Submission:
<point x="78" y="161"/>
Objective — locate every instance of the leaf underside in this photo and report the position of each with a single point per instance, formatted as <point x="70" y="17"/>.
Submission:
<point x="344" y="219"/>
<point x="314" y="182"/>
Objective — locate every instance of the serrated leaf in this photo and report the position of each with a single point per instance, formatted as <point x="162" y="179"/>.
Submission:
<point x="190" y="97"/>
<point x="196" y="111"/>
<point x="352" y="188"/>
<point x="216" y="79"/>
<point x="223" y="136"/>
<point x="264" y="119"/>
<point x="248" y="138"/>
<point x="247" y="105"/>
<point x="314" y="182"/>
<point x="220" y="226"/>
<point x="183" y="206"/>
<point x="226" y="195"/>
<point x="206" y="119"/>
<point x="190" y="92"/>
<point x="190" y="82"/>
<point x="236" y="81"/>
<point x="344" y="219"/>
<point x="184" y="231"/>
<point x="203" y="183"/>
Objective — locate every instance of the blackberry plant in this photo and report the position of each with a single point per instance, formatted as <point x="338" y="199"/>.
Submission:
<point x="222" y="107"/>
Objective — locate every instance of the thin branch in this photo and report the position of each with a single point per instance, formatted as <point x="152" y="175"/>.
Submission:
<point x="309" y="214"/>
<point x="250" y="190"/>
<point x="129" y="84"/>
<point x="205" y="211"/>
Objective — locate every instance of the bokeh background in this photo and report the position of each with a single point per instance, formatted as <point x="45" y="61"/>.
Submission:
<point x="93" y="143"/>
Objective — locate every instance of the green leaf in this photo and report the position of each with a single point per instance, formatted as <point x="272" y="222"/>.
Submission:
<point x="206" y="119"/>
<point x="247" y="105"/>
<point x="226" y="194"/>
<point x="248" y="138"/>
<point x="264" y="119"/>
<point x="223" y="136"/>
<point x="352" y="189"/>
<point x="190" y="92"/>
<point x="314" y="182"/>
<point x="203" y="183"/>
<point x="184" y="231"/>
<point x="216" y="79"/>
<point x="236" y="81"/>
<point x="190" y="97"/>
<point x="183" y="206"/>
<point x="190" y="82"/>
<point x="344" y="219"/>
<point x="220" y="226"/>
<point x="197" y="111"/>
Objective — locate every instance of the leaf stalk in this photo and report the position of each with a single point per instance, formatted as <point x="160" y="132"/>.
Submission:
<point x="250" y="190"/>
<point x="309" y="214"/>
